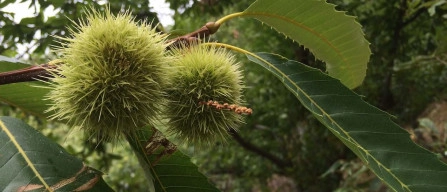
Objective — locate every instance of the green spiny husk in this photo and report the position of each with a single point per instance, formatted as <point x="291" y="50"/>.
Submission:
<point x="203" y="74"/>
<point x="113" y="77"/>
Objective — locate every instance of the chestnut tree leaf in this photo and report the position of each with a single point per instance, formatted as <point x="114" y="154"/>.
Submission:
<point x="29" y="161"/>
<point x="330" y="35"/>
<point x="381" y="144"/>
<point x="171" y="170"/>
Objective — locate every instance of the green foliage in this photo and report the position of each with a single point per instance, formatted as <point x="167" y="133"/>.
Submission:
<point x="346" y="119"/>
<point x="117" y="161"/>
<point x="31" y="161"/>
<point x="406" y="72"/>
<point x="167" y="168"/>
<point x="330" y="35"/>
<point x="27" y="30"/>
<point x="399" y="32"/>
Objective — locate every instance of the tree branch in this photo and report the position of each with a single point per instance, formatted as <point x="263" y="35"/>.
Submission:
<point x="249" y="146"/>
<point x="414" y="16"/>
<point x="33" y="73"/>
<point x="40" y="72"/>
<point x="204" y="32"/>
<point x="387" y="98"/>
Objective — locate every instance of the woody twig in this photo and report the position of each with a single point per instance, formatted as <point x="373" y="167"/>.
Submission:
<point x="40" y="72"/>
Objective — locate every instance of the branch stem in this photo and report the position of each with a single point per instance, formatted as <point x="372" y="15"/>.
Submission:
<point x="40" y="72"/>
<point x="33" y="73"/>
<point x="228" y="17"/>
<point x="249" y="146"/>
<point x="234" y="48"/>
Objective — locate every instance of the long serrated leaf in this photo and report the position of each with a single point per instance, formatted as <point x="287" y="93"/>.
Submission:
<point x="330" y="35"/>
<point x="382" y="145"/>
<point x="27" y="96"/>
<point x="30" y="161"/>
<point x="171" y="169"/>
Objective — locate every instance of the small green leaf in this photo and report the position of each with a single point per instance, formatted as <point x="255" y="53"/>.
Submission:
<point x="28" y="20"/>
<point x="30" y="161"/>
<point x="369" y="132"/>
<point x="57" y="3"/>
<point x="6" y="3"/>
<point x="330" y="35"/>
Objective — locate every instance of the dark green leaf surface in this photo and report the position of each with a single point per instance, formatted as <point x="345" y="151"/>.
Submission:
<point x="382" y="145"/>
<point x="330" y="35"/>
<point x="28" y="160"/>
<point x="178" y="173"/>
<point x="171" y="172"/>
<point x="26" y="96"/>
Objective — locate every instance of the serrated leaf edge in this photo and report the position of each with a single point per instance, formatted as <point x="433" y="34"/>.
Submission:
<point x="248" y="12"/>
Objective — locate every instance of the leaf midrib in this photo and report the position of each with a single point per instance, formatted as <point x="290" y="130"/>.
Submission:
<point x="24" y="155"/>
<point x="349" y="138"/>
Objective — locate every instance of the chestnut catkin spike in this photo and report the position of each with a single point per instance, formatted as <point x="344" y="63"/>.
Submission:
<point x="237" y="109"/>
<point x="113" y="75"/>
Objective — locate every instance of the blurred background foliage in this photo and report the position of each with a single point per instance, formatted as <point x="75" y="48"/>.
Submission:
<point x="281" y="147"/>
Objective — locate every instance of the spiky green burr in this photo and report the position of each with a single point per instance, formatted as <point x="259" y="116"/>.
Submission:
<point x="203" y="74"/>
<point x="113" y="75"/>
